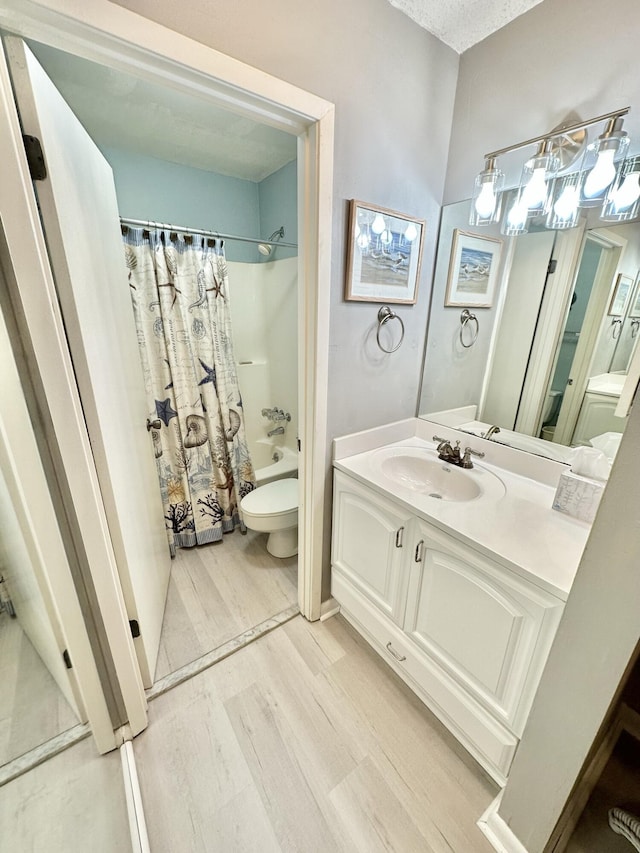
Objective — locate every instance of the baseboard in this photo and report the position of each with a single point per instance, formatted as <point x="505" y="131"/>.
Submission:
<point x="498" y="834"/>
<point x="133" y="797"/>
<point x="329" y="608"/>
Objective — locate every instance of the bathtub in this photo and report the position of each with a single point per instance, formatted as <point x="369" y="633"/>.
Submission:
<point x="272" y="461"/>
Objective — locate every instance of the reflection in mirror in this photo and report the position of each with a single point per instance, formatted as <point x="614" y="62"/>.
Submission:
<point x="554" y="345"/>
<point x="33" y="706"/>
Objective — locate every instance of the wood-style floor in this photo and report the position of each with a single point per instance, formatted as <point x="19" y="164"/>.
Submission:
<point x="73" y="803"/>
<point x="305" y="741"/>
<point x="218" y="591"/>
<point x="32" y="707"/>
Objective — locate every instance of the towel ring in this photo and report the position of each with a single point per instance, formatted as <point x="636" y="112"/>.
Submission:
<point x="617" y="327"/>
<point x="384" y="315"/>
<point x="465" y="317"/>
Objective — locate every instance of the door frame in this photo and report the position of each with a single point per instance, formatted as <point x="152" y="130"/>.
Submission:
<point x="603" y="284"/>
<point x="121" y="39"/>
<point x="118" y="38"/>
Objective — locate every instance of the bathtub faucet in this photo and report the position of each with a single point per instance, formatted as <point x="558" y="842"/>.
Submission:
<point x="276" y="415"/>
<point x="276" y="431"/>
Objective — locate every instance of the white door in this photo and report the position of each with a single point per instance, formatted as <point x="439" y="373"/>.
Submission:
<point x="80" y="216"/>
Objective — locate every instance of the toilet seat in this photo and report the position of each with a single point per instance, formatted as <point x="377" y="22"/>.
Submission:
<point x="273" y="499"/>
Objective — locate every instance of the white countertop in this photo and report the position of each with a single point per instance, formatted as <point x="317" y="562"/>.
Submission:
<point x="517" y="528"/>
<point x="610" y="384"/>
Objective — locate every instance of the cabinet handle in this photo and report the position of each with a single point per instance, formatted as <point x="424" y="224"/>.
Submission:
<point x="399" y="537"/>
<point x="418" y="555"/>
<point x="395" y="654"/>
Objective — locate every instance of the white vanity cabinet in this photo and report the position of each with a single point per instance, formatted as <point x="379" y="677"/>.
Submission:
<point x="467" y="634"/>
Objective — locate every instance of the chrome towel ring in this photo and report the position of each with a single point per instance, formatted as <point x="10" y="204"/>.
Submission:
<point x="617" y="327"/>
<point x="467" y="317"/>
<point x="384" y="315"/>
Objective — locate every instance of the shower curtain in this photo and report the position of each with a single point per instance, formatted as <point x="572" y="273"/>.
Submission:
<point x="179" y="291"/>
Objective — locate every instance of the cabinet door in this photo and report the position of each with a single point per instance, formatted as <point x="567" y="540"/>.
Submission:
<point x="597" y="415"/>
<point x="490" y="630"/>
<point x="369" y="535"/>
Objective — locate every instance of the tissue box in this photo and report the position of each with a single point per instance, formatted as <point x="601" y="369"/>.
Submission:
<point x="578" y="496"/>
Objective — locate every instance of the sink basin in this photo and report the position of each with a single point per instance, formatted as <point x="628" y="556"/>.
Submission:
<point x="420" y="471"/>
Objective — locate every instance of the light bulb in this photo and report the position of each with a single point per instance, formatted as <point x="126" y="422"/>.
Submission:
<point x="601" y="175"/>
<point x="378" y="224"/>
<point x="565" y="206"/>
<point x="518" y="214"/>
<point x="627" y="194"/>
<point x="486" y="201"/>
<point x="535" y="192"/>
<point x="411" y="233"/>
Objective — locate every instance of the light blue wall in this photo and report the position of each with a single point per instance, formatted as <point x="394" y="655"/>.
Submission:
<point x="161" y="191"/>
<point x="279" y="206"/>
<point x="157" y="190"/>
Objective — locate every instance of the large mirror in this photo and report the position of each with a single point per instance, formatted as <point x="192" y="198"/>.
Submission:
<point x="555" y="319"/>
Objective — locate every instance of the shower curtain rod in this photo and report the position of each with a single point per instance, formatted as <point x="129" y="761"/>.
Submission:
<point x="140" y="223"/>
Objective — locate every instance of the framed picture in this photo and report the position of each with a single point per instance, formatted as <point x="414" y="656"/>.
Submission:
<point x="473" y="270"/>
<point x="385" y="253"/>
<point x="634" y="310"/>
<point x="620" y="296"/>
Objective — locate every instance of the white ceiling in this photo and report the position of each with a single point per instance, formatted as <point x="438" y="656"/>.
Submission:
<point x="463" y="23"/>
<point x="119" y="110"/>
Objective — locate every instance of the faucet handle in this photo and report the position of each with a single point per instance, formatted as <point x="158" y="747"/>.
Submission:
<point x="466" y="459"/>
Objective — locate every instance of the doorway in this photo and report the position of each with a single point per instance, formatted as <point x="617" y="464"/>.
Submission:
<point x="288" y="109"/>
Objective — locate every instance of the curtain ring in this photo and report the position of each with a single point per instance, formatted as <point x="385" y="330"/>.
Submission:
<point x="465" y="317"/>
<point x="384" y="315"/>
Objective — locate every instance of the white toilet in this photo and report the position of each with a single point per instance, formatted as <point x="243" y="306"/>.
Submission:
<point x="273" y="509"/>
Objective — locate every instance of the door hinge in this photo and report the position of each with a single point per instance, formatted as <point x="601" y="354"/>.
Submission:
<point x="553" y="264"/>
<point x="67" y="659"/>
<point x="135" y="628"/>
<point x="299" y="445"/>
<point x="35" y="157"/>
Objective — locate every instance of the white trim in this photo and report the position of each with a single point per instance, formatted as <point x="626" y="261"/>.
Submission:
<point x="118" y="38"/>
<point x="133" y="797"/>
<point x="553" y="316"/>
<point x="329" y="608"/>
<point x="499" y="835"/>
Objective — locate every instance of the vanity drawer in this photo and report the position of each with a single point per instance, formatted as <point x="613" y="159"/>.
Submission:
<point x="490" y="743"/>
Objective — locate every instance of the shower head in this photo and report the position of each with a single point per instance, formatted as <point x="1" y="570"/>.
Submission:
<point x="264" y="248"/>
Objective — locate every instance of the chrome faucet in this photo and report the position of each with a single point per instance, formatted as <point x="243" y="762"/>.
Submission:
<point x="452" y="454"/>
<point x="276" y="431"/>
<point x="490" y="433"/>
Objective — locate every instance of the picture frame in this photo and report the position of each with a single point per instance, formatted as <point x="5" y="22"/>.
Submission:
<point x="634" y="308"/>
<point x="620" y="296"/>
<point x="473" y="270"/>
<point x="384" y="255"/>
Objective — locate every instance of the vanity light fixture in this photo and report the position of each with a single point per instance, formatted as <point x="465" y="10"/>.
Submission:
<point x="603" y="175"/>
<point x="623" y="199"/>
<point x="602" y="160"/>
<point x="565" y="209"/>
<point x="487" y="194"/>
<point x="536" y="182"/>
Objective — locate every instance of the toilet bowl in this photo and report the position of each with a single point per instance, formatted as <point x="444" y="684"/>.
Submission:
<point x="273" y="509"/>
